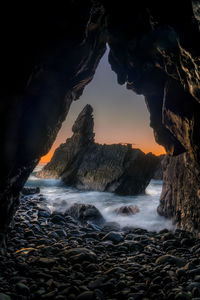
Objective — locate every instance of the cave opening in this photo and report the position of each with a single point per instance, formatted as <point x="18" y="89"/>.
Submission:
<point x="50" y="54"/>
<point x="120" y="117"/>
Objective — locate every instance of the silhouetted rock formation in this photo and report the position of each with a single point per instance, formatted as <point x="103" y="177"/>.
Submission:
<point x="90" y="166"/>
<point x="65" y="154"/>
<point x="50" y="52"/>
<point x="180" y="198"/>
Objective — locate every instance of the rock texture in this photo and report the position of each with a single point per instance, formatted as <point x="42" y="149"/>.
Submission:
<point x="85" y="213"/>
<point x="82" y="163"/>
<point x="180" y="198"/>
<point x="66" y="153"/>
<point x="127" y="210"/>
<point x="158" y="175"/>
<point x="73" y="260"/>
<point x="50" y="52"/>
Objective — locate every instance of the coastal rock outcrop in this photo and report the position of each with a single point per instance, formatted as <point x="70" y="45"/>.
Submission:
<point x="180" y="198"/>
<point x="82" y="163"/>
<point x="65" y="154"/>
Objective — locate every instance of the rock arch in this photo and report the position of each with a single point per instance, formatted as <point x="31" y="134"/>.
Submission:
<point x="50" y="53"/>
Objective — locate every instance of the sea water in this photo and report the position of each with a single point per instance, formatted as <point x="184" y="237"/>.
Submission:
<point x="59" y="197"/>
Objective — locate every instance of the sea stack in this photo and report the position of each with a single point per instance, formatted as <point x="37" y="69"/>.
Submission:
<point x="86" y="165"/>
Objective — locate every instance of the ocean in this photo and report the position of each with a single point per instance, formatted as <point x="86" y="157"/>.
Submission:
<point x="58" y="197"/>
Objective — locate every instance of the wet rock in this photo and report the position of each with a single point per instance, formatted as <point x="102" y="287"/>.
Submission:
<point x="86" y="213"/>
<point x="86" y="296"/>
<point x="44" y="214"/>
<point x="115" y="237"/>
<point x="182" y="296"/>
<point x="180" y="189"/>
<point x="58" y="219"/>
<point x="127" y="210"/>
<point x="83" y="253"/>
<point x="46" y="262"/>
<point x="111" y="226"/>
<point x="4" y="297"/>
<point x="22" y="289"/>
<point x="30" y="190"/>
<point x="171" y="260"/>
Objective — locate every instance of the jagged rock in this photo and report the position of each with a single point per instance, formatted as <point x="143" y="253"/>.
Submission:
<point x="181" y="191"/>
<point x="127" y="210"/>
<point x="64" y="155"/>
<point x="91" y="166"/>
<point x="85" y="213"/>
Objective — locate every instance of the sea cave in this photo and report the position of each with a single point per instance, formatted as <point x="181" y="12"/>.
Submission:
<point x="50" y="53"/>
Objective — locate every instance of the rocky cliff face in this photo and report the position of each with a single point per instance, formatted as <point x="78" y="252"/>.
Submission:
<point x="50" y="52"/>
<point x="65" y="154"/>
<point x="181" y="191"/>
<point x="82" y="163"/>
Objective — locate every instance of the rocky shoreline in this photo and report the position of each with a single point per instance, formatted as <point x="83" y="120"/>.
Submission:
<point x="53" y="256"/>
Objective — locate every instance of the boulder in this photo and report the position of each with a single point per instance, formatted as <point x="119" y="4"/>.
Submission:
<point x="86" y="165"/>
<point x="30" y="190"/>
<point x="85" y="213"/>
<point x="127" y="210"/>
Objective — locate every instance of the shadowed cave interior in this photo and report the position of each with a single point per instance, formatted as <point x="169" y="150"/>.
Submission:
<point x="153" y="53"/>
<point x="48" y="59"/>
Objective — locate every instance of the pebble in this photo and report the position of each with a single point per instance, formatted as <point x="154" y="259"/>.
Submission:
<point x="170" y="259"/>
<point x="4" y="297"/>
<point x="115" y="237"/>
<point x="86" y="296"/>
<point x="55" y="257"/>
<point x="22" y="289"/>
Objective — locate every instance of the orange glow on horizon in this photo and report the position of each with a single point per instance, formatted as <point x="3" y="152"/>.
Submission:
<point x="155" y="149"/>
<point x="46" y="158"/>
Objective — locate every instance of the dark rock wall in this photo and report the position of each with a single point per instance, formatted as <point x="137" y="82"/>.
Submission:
<point x="50" y="52"/>
<point x="180" y="198"/>
<point x="155" y="51"/>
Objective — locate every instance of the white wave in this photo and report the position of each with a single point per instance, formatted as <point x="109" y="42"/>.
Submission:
<point x="60" y="197"/>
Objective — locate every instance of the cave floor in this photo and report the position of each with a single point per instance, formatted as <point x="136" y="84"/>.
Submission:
<point x="54" y="257"/>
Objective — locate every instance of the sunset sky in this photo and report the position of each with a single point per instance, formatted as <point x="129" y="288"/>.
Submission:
<point x="120" y="116"/>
